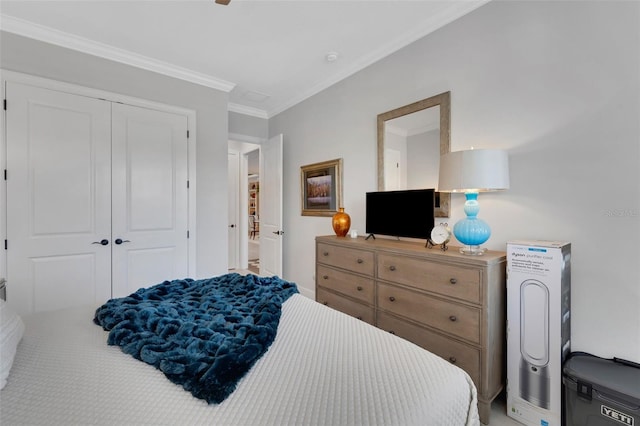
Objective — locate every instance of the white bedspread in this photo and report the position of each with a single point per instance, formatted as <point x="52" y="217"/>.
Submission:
<point x="324" y="368"/>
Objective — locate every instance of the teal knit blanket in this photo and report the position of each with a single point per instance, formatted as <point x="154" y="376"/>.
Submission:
<point x="204" y="335"/>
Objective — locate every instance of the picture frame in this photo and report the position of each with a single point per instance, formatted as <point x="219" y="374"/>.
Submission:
<point x="321" y="188"/>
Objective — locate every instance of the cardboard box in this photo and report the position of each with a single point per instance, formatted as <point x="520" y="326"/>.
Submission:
<point x="538" y="329"/>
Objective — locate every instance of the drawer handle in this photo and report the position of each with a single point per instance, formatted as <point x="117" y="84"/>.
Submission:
<point x="453" y="318"/>
<point x="326" y="253"/>
<point x="326" y="277"/>
<point x="360" y="261"/>
<point x="453" y="281"/>
<point x="452" y="359"/>
<point x="359" y="288"/>
<point x="393" y="299"/>
<point x="392" y="268"/>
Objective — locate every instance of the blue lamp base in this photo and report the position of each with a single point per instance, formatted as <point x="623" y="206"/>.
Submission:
<point x="472" y="231"/>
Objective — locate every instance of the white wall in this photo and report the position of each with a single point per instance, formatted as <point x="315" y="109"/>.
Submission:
<point x="554" y="83"/>
<point x="423" y="160"/>
<point x="32" y="57"/>
<point x="248" y="126"/>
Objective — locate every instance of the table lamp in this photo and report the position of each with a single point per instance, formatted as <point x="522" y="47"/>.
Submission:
<point x="473" y="171"/>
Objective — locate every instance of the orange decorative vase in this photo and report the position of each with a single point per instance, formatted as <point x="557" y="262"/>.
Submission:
<point x="341" y="222"/>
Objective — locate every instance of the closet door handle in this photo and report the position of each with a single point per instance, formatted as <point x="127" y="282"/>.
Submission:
<point x="120" y="241"/>
<point x="101" y="242"/>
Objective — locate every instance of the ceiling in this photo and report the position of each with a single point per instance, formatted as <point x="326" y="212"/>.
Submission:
<point x="268" y="55"/>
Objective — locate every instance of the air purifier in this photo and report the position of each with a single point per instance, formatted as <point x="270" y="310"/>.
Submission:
<point x="534" y="343"/>
<point x="538" y="327"/>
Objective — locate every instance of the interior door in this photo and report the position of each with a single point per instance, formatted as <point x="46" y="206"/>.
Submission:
<point x="393" y="170"/>
<point x="58" y="199"/>
<point x="271" y="232"/>
<point x="233" y="205"/>
<point x="149" y="192"/>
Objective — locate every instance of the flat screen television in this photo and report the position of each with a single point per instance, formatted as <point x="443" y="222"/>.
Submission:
<point x="408" y="213"/>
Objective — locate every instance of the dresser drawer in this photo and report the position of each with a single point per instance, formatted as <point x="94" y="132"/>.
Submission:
<point x="355" y="260"/>
<point x="453" y="318"/>
<point x="464" y="356"/>
<point x="453" y="281"/>
<point x="342" y="304"/>
<point x="358" y="287"/>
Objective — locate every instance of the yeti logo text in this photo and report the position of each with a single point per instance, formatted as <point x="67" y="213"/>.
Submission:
<point x="616" y="415"/>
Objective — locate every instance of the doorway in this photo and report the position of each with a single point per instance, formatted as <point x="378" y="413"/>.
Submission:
<point x="268" y="202"/>
<point x="253" y="210"/>
<point x="244" y="207"/>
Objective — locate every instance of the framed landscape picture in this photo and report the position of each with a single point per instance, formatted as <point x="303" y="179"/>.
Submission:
<point x="321" y="188"/>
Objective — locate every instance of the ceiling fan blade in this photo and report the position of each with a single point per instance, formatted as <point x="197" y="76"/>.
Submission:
<point x="224" y="2"/>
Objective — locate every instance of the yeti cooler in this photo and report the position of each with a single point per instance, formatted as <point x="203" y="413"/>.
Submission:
<point x="601" y="392"/>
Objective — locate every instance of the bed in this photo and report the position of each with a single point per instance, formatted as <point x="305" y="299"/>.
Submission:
<point x="323" y="368"/>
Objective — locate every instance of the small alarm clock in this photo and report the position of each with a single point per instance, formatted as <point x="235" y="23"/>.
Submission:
<point x="440" y="235"/>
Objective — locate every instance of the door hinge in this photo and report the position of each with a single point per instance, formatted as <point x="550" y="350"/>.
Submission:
<point x="187" y="234"/>
<point x="5" y="174"/>
<point x="187" y="133"/>
<point x="5" y="244"/>
<point x="5" y="104"/>
<point x="187" y="184"/>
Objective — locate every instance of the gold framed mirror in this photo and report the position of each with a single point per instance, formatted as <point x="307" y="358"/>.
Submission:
<point x="411" y="140"/>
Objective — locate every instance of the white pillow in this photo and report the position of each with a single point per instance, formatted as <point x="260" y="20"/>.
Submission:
<point x="11" y="331"/>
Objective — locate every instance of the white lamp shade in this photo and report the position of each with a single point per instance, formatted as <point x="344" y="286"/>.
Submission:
<point x="475" y="170"/>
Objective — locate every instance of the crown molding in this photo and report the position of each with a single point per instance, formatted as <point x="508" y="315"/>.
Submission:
<point x="423" y="129"/>
<point x="436" y="21"/>
<point x="241" y="109"/>
<point x="407" y="133"/>
<point x="389" y="128"/>
<point x="81" y="44"/>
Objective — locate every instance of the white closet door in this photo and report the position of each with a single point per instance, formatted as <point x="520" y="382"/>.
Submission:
<point x="149" y="193"/>
<point x="58" y="199"/>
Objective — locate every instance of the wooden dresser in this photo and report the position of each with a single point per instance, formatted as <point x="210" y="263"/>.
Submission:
<point x="449" y="303"/>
